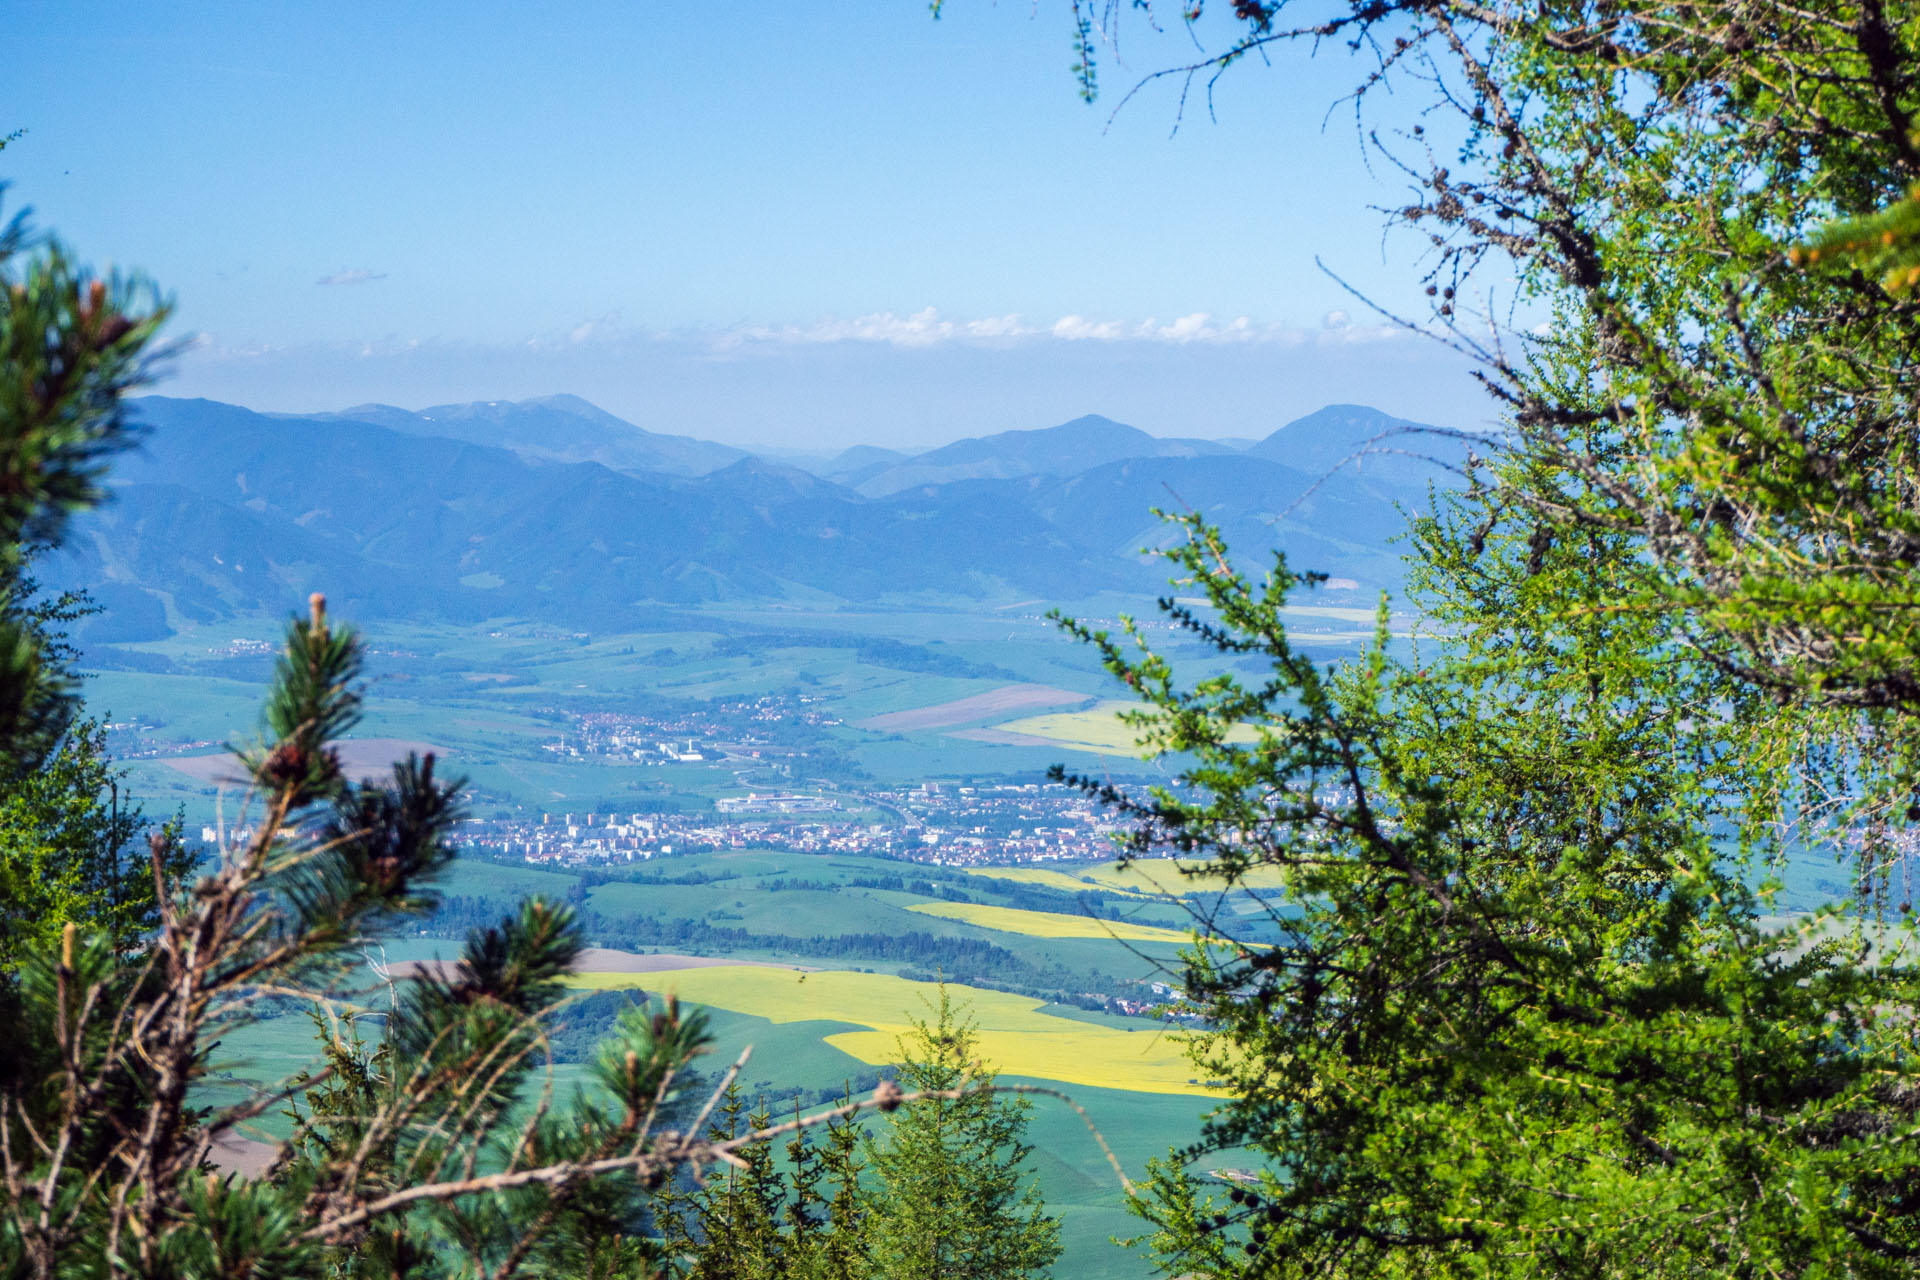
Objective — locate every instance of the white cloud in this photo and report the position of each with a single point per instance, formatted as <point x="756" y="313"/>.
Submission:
<point x="1081" y="329"/>
<point x="997" y="327"/>
<point x="842" y="381"/>
<point x="351" y="275"/>
<point x="207" y="346"/>
<point x="928" y="328"/>
<point x="924" y="328"/>
<point x="1194" y="328"/>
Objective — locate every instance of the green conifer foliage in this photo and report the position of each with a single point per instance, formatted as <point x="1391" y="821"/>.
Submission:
<point x="1625" y="187"/>
<point x="1534" y="1013"/>
<point x="947" y="1195"/>
<point x="436" y="1148"/>
<point x="71" y="346"/>
<point x="1528" y="1016"/>
<point x="842" y="1253"/>
<point x="70" y="851"/>
<point x="804" y="1211"/>
<point x="1886" y="245"/>
<point x="427" y="1153"/>
<point x="936" y="1189"/>
<point x="764" y="1218"/>
<point x="740" y="1206"/>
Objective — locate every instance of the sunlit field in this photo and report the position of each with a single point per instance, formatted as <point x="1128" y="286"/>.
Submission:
<point x="1097" y="729"/>
<point x="1045" y="877"/>
<point x="1047" y="924"/>
<point x="1015" y="1035"/>
<point x="1163" y="875"/>
<point x="1150" y="876"/>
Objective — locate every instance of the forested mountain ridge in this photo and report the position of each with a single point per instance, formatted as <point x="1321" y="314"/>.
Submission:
<point x="226" y="511"/>
<point x="1073" y="446"/>
<point x="563" y="427"/>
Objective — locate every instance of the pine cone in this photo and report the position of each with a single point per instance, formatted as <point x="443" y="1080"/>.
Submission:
<point x="284" y="764"/>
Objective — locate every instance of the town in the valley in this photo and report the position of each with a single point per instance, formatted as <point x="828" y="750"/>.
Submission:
<point x="768" y="781"/>
<point x="944" y="824"/>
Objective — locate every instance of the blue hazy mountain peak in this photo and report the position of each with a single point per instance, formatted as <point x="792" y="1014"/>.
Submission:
<point x="860" y="462"/>
<point x="1086" y="441"/>
<point x="1365" y="441"/>
<point x="1045" y="447"/>
<point x="767" y="478"/>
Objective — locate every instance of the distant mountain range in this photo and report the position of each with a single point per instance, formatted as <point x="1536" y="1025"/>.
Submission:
<point x="555" y="509"/>
<point x="559" y="428"/>
<point x="1063" y="450"/>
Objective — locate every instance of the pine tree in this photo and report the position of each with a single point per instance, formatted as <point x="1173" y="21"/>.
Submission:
<point x="432" y="1153"/>
<point x="762" y="1219"/>
<point x="671" y="1210"/>
<point x="806" y="1222"/>
<point x="70" y="850"/>
<point x="843" y="1251"/>
<point x="948" y="1196"/>
<point x="426" y="1153"/>
<point x="939" y="1191"/>
<point x="71" y="346"/>
<point x="1884" y="244"/>
<point x="738" y="1211"/>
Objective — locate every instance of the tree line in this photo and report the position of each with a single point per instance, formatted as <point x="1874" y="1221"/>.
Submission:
<point x="964" y="961"/>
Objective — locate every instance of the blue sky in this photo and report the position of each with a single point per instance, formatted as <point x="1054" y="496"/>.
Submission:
<point x="800" y="224"/>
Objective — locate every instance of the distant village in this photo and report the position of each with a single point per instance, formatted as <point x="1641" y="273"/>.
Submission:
<point x="945" y="825"/>
<point x="777" y="800"/>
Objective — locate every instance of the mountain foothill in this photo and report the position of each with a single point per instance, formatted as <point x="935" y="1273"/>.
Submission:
<point x="554" y="509"/>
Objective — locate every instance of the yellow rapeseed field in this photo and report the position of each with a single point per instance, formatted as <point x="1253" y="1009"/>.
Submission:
<point x="1162" y="875"/>
<point x="1047" y="924"/>
<point x="1042" y="876"/>
<point x="1152" y="877"/>
<point x="1098" y="729"/>
<point x="1015" y="1036"/>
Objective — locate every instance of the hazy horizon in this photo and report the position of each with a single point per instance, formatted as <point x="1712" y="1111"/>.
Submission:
<point x="924" y="434"/>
